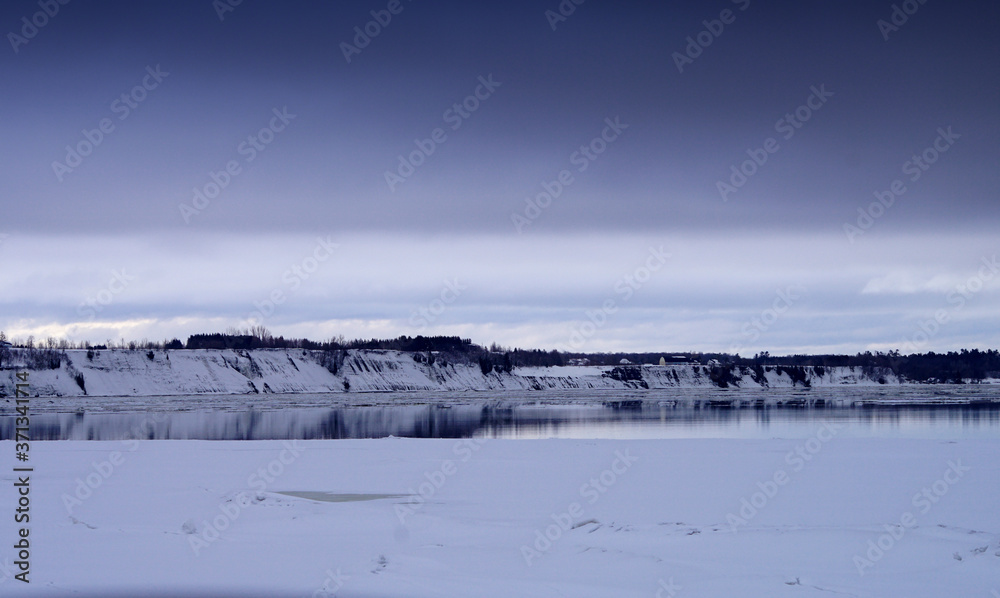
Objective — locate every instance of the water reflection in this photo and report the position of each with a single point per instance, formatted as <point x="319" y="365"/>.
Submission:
<point x="605" y="419"/>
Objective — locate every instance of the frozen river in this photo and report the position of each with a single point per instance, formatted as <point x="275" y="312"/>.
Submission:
<point x="882" y="491"/>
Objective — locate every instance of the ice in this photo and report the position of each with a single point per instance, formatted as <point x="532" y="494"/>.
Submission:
<point x="464" y="517"/>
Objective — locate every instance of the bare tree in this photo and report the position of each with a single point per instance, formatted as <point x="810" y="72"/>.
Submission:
<point x="261" y="333"/>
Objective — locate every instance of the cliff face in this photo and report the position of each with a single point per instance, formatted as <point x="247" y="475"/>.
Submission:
<point x="189" y="372"/>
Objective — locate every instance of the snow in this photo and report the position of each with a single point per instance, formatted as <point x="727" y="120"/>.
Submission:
<point x="205" y="372"/>
<point x="628" y="517"/>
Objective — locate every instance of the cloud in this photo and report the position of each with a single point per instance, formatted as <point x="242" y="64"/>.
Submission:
<point x="906" y="283"/>
<point x="517" y="290"/>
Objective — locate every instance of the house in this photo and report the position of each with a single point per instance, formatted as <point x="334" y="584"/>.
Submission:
<point x="676" y="360"/>
<point x="5" y="344"/>
<point x="625" y="362"/>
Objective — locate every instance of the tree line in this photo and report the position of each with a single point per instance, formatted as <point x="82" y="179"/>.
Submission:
<point x="953" y="366"/>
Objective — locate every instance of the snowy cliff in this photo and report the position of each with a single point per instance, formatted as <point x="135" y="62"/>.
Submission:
<point x="187" y="372"/>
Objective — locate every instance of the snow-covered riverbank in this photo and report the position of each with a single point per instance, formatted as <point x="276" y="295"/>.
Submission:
<point x="188" y="372"/>
<point x="512" y="518"/>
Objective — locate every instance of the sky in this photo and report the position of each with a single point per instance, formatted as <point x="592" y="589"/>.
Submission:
<point x="739" y="176"/>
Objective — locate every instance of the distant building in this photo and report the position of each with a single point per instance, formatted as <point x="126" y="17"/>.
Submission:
<point x="676" y="360"/>
<point x="713" y="363"/>
<point x="579" y="361"/>
<point x="5" y="344"/>
<point x="625" y="362"/>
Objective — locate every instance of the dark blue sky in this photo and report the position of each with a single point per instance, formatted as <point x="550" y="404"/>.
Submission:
<point x="656" y="182"/>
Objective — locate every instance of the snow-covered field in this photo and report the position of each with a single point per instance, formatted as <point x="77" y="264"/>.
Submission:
<point x="823" y="516"/>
